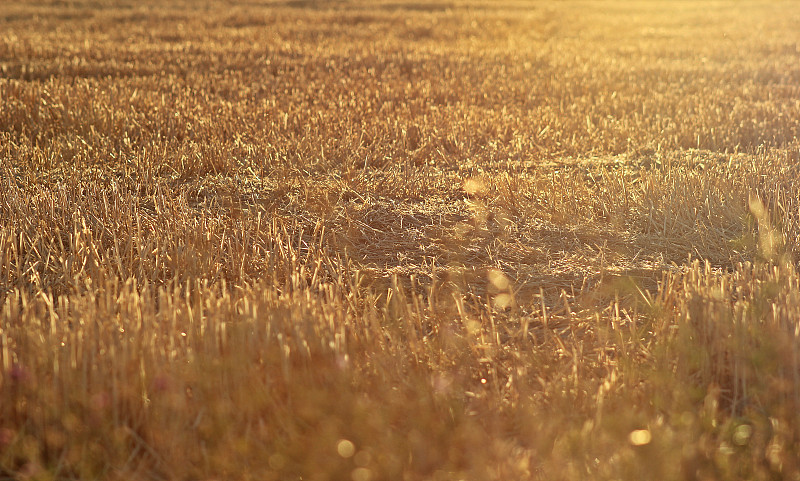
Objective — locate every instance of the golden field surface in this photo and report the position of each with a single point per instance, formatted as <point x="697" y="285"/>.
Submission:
<point x="345" y="240"/>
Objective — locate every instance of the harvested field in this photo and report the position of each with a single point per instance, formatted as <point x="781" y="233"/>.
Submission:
<point x="341" y="239"/>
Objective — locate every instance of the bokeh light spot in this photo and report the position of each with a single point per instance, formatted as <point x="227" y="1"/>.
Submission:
<point x="345" y="448"/>
<point x="640" y="437"/>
